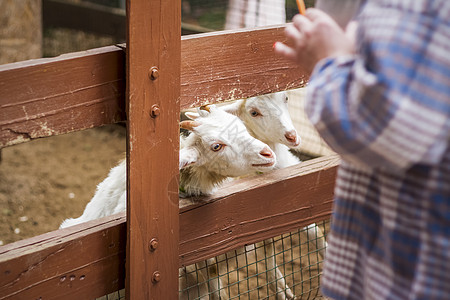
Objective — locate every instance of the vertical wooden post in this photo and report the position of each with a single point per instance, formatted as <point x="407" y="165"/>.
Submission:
<point x="153" y="91"/>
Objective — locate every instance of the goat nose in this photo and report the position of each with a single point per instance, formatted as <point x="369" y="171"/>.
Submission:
<point x="266" y="152"/>
<point x="291" y="136"/>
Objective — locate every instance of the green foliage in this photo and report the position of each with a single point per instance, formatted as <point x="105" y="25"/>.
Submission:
<point x="213" y="19"/>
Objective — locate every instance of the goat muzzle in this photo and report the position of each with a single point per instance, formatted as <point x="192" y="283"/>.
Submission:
<point x="266" y="152"/>
<point x="291" y="137"/>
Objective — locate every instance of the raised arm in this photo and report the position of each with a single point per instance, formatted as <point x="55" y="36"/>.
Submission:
<point x="388" y="104"/>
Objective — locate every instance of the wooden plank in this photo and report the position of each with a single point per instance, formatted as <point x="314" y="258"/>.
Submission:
<point x="154" y="43"/>
<point x="251" y="210"/>
<point x="45" y="97"/>
<point x="81" y="262"/>
<point x="86" y="89"/>
<point x="36" y="266"/>
<point x="235" y="64"/>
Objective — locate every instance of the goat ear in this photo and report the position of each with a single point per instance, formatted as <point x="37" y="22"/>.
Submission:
<point x="188" y="157"/>
<point x="211" y="107"/>
<point x="205" y="107"/>
<point x="189" y="125"/>
<point x="202" y="112"/>
<point x="233" y="108"/>
<point x="191" y="115"/>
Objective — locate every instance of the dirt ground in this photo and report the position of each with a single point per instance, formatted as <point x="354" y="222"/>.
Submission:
<point x="42" y="182"/>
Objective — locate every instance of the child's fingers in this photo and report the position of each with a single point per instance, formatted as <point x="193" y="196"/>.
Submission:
<point x="351" y="29"/>
<point x="315" y="14"/>
<point x="292" y="33"/>
<point x="302" y="24"/>
<point x="284" y="50"/>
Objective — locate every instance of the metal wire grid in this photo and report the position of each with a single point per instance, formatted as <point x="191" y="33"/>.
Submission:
<point x="119" y="295"/>
<point x="245" y="273"/>
<point x="248" y="272"/>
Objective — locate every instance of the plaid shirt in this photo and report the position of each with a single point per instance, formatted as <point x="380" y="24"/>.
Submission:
<point x="386" y="111"/>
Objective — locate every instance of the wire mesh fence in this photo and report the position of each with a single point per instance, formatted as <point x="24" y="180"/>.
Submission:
<point x="278" y="268"/>
<point x="119" y="295"/>
<point x="283" y="267"/>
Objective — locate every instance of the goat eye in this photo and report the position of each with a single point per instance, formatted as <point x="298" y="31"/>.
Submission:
<point x="286" y="99"/>
<point x="254" y="113"/>
<point x="216" y="147"/>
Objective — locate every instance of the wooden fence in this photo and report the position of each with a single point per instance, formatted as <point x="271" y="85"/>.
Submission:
<point x="148" y="82"/>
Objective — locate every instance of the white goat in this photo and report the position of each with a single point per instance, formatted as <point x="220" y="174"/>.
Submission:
<point x="218" y="147"/>
<point x="218" y="150"/>
<point x="267" y="118"/>
<point x="110" y="197"/>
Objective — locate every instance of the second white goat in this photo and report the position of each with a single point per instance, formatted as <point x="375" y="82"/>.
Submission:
<point x="267" y="118"/>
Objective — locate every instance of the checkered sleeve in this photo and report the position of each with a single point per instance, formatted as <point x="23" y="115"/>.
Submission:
<point x="390" y="103"/>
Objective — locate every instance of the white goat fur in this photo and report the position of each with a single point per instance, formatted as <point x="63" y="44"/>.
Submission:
<point x="267" y="118"/>
<point x="110" y="197"/>
<point x="240" y="153"/>
<point x="202" y="169"/>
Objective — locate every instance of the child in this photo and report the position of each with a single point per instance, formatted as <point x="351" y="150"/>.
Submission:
<point x="381" y="99"/>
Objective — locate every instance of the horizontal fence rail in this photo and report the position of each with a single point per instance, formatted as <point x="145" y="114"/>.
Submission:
<point x="80" y="90"/>
<point x="232" y="65"/>
<point x="89" y="259"/>
<point x="81" y="262"/>
<point x="87" y="89"/>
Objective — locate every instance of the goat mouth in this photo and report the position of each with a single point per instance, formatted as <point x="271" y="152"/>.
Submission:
<point x="269" y="164"/>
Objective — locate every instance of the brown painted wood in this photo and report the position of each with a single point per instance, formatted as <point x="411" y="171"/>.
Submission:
<point x="87" y="89"/>
<point x="154" y="41"/>
<point x="45" y="97"/>
<point x="81" y="262"/>
<point x="237" y="215"/>
<point x="235" y="64"/>
<point x="251" y="210"/>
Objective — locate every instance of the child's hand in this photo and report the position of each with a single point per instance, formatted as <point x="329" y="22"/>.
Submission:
<point x="313" y="37"/>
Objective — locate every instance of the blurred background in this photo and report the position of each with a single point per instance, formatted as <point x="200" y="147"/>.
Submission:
<point x="45" y="28"/>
